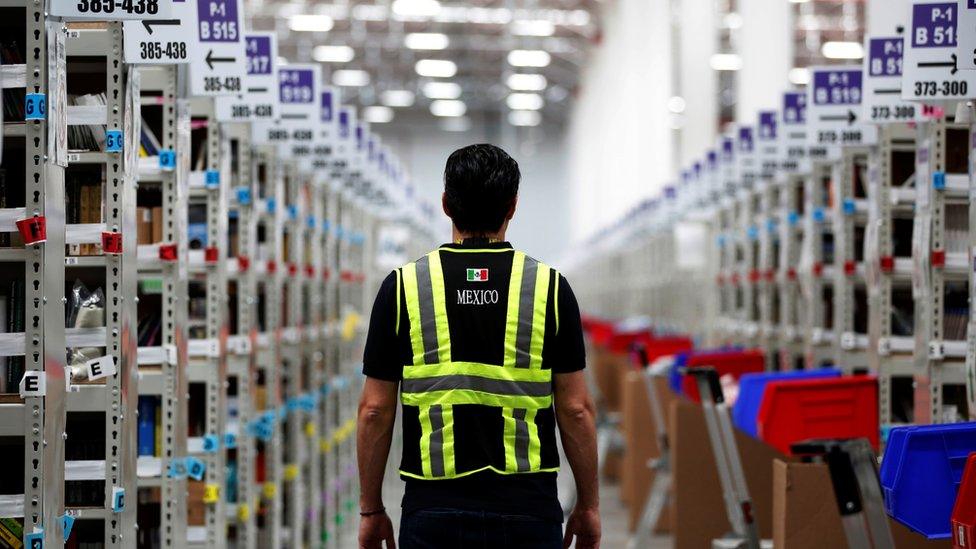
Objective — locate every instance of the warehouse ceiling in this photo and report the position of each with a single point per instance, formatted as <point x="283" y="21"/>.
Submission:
<point x="510" y="58"/>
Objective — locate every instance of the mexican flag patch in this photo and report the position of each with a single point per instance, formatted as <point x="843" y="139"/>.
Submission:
<point x="477" y="275"/>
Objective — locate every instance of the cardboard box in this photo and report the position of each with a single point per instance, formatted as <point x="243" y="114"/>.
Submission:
<point x="157" y="224"/>
<point x="196" y="509"/>
<point x="698" y="505"/>
<point x="610" y="472"/>
<point x="144" y="226"/>
<point x="805" y="512"/>
<point x="640" y="446"/>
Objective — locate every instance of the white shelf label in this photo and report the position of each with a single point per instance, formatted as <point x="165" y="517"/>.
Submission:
<point x="931" y="62"/>
<point x="834" y="108"/>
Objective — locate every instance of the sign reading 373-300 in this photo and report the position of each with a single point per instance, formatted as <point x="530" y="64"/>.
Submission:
<point x="218" y="65"/>
<point x="112" y="9"/>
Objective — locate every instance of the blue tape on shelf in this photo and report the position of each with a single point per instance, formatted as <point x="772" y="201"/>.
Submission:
<point x="326" y="225"/>
<point x="720" y="240"/>
<point x="771" y="226"/>
<point x="325" y="388"/>
<point x="792" y="218"/>
<point x="67" y="523"/>
<point x="293" y="404"/>
<point x="195" y="468"/>
<point x="849" y="207"/>
<point x="938" y="181"/>
<point x="818" y="215"/>
<point x="34" y="540"/>
<point x="118" y="499"/>
<point x="268" y="416"/>
<point x="230" y="441"/>
<point x="35" y="106"/>
<point x="212" y="179"/>
<point x="272" y="206"/>
<point x="292" y="212"/>
<point x="753" y="232"/>
<point x="310" y="222"/>
<point x="307" y="403"/>
<point x="244" y="196"/>
<point x="211" y="443"/>
<point x="177" y="468"/>
<point x="282" y="413"/>
<point x="167" y="159"/>
<point x="114" y="141"/>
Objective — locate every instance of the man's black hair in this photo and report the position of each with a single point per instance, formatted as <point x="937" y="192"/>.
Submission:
<point x="480" y="186"/>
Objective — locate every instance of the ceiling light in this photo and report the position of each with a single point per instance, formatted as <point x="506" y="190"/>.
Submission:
<point x="799" y="76"/>
<point x="677" y="104"/>
<point x="799" y="1"/>
<point x="528" y="58"/>
<point x="447" y="108"/>
<point x="333" y="54"/>
<point x="725" y="62"/>
<point x="525" y="101"/>
<point x="732" y="21"/>
<point x="557" y="94"/>
<point x="397" y="98"/>
<point x="310" y="23"/>
<point x="350" y="78"/>
<point x="533" y="27"/>
<point x="458" y="124"/>
<point x="282" y="61"/>
<point x="436" y="68"/>
<point x="527" y="82"/>
<point x="378" y="114"/>
<point x="416" y="8"/>
<point x="842" y="50"/>
<point x="442" y="90"/>
<point x="524" y="118"/>
<point x="426" y="41"/>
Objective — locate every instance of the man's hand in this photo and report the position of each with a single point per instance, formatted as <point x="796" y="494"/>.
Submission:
<point x="584" y="524"/>
<point x="375" y="529"/>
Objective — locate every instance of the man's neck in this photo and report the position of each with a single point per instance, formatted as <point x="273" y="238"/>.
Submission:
<point x="459" y="236"/>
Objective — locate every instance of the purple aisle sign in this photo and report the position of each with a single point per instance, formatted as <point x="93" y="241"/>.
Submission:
<point x="698" y="169"/>
<point x="934" y="25"/>
<point x="218" y="20"/>
<point x="327" y="107"/>
<point x="685" y="177"/>
<point x="795" y="107"/>
<point x="767" y="125"/>
<point x="295" y="85"/>
<point x="840" y="87"/>
<point x="746" y="144"/>
<point x="344" y="124"/>
<point x="885" y="56"/>
<point x="258" y="50"/>
<point x="727" y="149"/>
<point x="712" y="158"/>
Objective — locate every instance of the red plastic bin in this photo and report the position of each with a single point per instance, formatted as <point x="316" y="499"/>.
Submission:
<point x="964" y="511"/>
<point x="734" y="363"/>
<point x="843" y="407"/>
<point x="665" y="346"/>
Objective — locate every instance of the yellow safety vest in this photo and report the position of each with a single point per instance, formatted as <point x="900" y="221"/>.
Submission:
<point x="517" y="389"/>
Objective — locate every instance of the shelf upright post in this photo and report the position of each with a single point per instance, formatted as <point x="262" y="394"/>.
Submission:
<point x="316" y="356"/>
<point x="971" y="247"/>
<point x="814" y="284"/>
<point x="44" y="335"/>
<point x="330" y="407"/>
<point x="243" y="364"/>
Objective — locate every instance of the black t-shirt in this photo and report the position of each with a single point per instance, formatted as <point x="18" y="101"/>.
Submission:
<point x="474" y="338"/>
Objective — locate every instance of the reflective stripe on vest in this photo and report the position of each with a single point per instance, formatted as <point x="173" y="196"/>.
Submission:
<point x="518" y="388"/>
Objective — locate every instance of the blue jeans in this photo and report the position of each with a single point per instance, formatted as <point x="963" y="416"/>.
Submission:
<point x="459" y="529"/>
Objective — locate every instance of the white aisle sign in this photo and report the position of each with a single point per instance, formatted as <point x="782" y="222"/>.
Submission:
<point x="111" y="10"/>
<point x="327" y="128"/>
<point x="882" y="82"/>
<point x="966" y="48"/>
<point x="834" y="108"/>
<point x="745" y="156"/>
<point x="298" y="93"/>
<point x="217" y="65"/>
<point x="767" y="147"/>
<point x="162" y="41"/>
<point x="260" y="100"/>
<point x="793" y="133"/>
<point x="931" y="72"/>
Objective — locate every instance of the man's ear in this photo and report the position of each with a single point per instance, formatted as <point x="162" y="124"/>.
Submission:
<point x="511" y="209"/>
<point x="447" y="210"/>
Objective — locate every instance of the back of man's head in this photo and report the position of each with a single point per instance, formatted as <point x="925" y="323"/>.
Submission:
<point x="480" y="186"/>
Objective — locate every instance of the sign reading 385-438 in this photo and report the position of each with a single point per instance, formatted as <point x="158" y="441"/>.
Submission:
<point x="218" y="65"/>
<point x="112" y="9"/>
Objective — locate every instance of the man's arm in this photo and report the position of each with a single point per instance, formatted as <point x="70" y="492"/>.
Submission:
<point x="577" y="429"/>
<point x="377" y="414"/>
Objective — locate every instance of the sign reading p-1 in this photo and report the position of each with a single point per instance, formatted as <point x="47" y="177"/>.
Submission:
<point x="931" y="62"/>
<point x="217" y="66"/>
<point x="834" y="105"/>
<point x="260" y="102"/>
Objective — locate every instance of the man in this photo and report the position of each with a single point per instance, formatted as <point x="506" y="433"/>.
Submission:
<point x="485" y="347"/>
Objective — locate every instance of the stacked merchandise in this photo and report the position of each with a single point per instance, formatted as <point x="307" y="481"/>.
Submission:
<point x="150" y="425"/>
<point x="149" y="143"/>
<point x="85" y="309"/>
<point x="149" y="225"/>
<point x="83" y="204"/>
<point x="12" y="319"/>
<point x="13" y="98"/>
<point x="86" y="137"/>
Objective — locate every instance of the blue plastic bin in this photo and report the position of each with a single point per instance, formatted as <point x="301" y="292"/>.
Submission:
<point x="921" y="472"/>
<point x="745" y="411"/>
